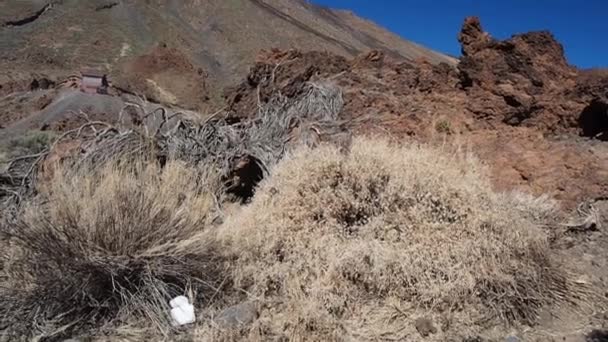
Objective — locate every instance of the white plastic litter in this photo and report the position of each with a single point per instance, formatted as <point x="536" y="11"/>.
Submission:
<point x="179" y="301"/>
<point x="182" y="311"/>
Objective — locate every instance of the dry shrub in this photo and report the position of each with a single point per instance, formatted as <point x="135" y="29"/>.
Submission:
<point x="543" y="210"/>
<point x="120" y="242"/>
<point x="357" y="247"/>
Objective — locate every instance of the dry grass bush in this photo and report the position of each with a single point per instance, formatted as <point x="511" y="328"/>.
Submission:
<point x="543" y="210"/>
<point x="357" y="247"/>
<point x="32" y="142"/>
<point x="116" y="242"/>
<point x="102" y="239"/>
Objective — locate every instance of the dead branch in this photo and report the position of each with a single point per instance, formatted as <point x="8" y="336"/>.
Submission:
<point x="264" y="138"/>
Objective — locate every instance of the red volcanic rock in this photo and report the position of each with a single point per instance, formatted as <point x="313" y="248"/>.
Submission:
<point x="517" y="103"/>
<point x="472" y="37"/>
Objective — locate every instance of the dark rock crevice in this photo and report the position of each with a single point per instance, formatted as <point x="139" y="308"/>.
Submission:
<point x="246" y="173"/>
<point x="519" y="111"/>
<point x="593" y="120"/>
<point x="41" y="83"/>
<point x="106" y="6"/>
<point x="29" y="19"/>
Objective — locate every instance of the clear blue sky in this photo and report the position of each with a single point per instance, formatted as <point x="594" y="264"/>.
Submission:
<point x="580" y="25"/>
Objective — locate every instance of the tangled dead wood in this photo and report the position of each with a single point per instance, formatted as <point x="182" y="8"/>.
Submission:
<point x="588" y="218"/>
<point x="254" y="144"/>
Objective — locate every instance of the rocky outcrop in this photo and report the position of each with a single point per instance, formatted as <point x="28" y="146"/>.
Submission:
<point x="280" y="71"/>
<point x="517" y="103"/>
<point x="527" y="81"/>
<point x="531" y="62"/>
<point x="472" y="37"/>
<point x="516" y="81"/>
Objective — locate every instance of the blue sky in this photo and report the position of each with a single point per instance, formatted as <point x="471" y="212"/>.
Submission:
<point x="581" y="26"/>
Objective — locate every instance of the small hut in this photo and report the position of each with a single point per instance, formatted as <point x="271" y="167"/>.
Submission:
<point x="94" y="81"/>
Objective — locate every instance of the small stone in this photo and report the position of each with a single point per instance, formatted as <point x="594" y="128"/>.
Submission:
<point x="237" y="315"/>
<point x="512" y="338"/>
<point x="425" y="326"/>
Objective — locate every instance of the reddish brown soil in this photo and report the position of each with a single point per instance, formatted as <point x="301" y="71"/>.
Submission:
<point x="164" y="75"/>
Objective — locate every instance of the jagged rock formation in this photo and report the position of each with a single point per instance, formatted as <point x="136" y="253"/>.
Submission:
<point x="526" y="80"/>
<point x="538" y="121"/>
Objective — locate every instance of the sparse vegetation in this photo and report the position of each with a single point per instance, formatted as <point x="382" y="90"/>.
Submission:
<point x="31" y="142"/>
<point x="443" y="126"/>
<point x="335" y="245"/>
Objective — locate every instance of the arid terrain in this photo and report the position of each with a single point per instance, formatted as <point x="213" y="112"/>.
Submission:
<point x="464" y="199"/>
<point x="147" y="46"/>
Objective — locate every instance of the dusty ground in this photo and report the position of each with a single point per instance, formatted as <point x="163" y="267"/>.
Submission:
<point x="64" y="109"/>
<point x="165" y="75"/>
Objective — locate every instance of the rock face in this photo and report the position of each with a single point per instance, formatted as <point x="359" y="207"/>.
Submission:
<point x="538" y="122"/>
<point x="526" y="80"/>
<point x="517" y="77"/>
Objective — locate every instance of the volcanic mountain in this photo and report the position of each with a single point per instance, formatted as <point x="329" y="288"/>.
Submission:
<point x="178" y="46"/>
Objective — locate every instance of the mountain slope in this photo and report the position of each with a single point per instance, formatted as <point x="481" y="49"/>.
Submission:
<point x="219" y="36"/>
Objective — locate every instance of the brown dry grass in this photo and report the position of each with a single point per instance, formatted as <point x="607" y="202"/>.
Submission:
<point x="100" y="246"/>
<point x="335" y="246"/>
<point x="357" y="247"/>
